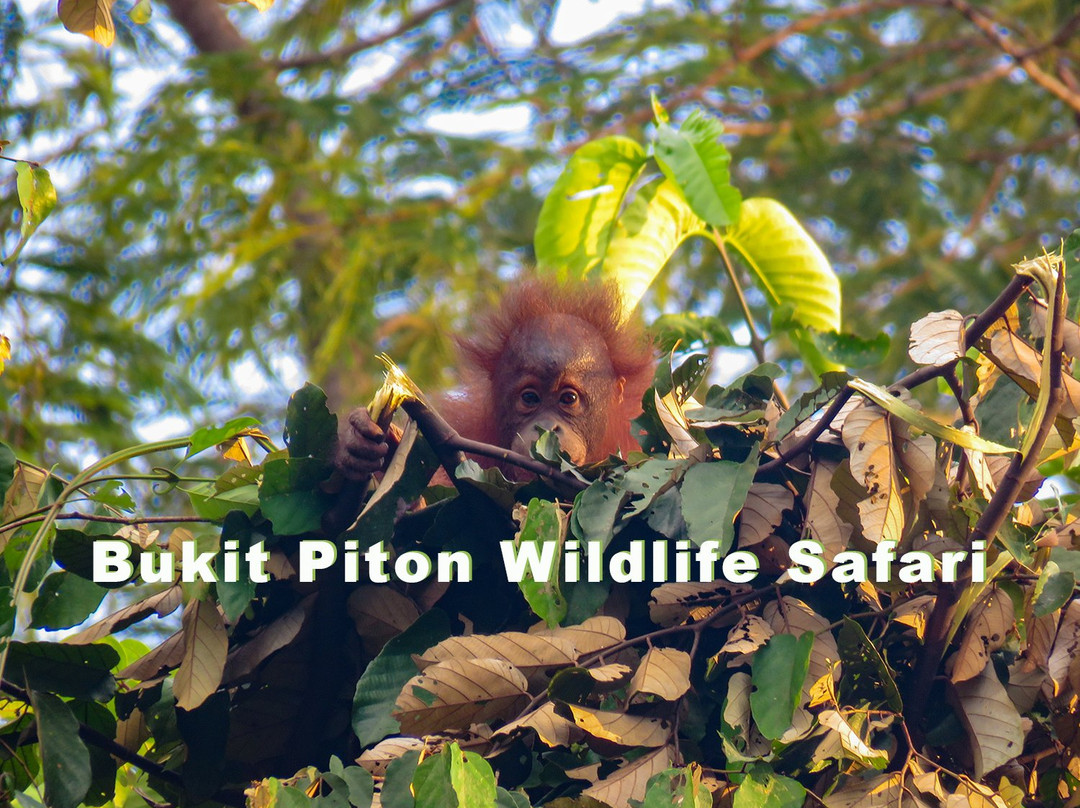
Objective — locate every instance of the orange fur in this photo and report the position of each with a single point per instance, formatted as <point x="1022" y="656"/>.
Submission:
<point x="599" y="305"/>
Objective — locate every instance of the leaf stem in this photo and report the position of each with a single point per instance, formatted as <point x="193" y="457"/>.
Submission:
<point x="757" y="344"/>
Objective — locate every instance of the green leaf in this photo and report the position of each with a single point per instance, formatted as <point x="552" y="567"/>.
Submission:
<point x="778" y="671"/>
<point x="202" y="439"/>
<point x="698" y="163"/>
<point x="761" y="788"/>
<point x="76" y="671"/>
<point x="291" y="496"/>
<point x="361" y="786"/>
<point x="471" y="777"/>
<point x="65" y="761"/>
<point x="397" y="790"/>
<point x="310" y="428"/>
<point x="7" y="467"/>
<point x="73" y="550"/>
<point x="713" y="493"/>
<point x="234" y="596"/>
<point x="687" y="329"/>
<point x="1054" y="592"/>
<point x="809" y="403"/>
<point x="789" y="267"/>
<point x="65" y="600"/>
<point x="37" y="197"/>
<point x="851" y="350"/>
<point x="655" y="222"/>
<point x="865" y="670"/>
<point x="682" y="787"/>
<point x="544" y="522"/>
<point x="968" y="440"/>
<point x="384" y="677"/>
<point x="578" y="215"/>
<point x="141" y="12"/>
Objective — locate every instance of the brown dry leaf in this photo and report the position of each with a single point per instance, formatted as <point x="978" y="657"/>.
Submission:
<point x="92" y="18"/>
<point x="132" y="732"/>
<point x="22" y="496"/>
<point x="139" y="535"/>
<point x="595" y="634"/>
<point x="937" y="338"/>
<point x="796" y="617"/>
<point x="918" y="458"/>
<point x="271" y="638"/>
<point x="1025" y="684"/>
<point x="673" y="417"/>
<point x="621" y="728"/>
<point x="823" y="519"/>
<point x="1024" y="365"/>
<point x="612" y="674"/>
<point x="663" y="672"/>
<point x="671" y="604"/>
<point x="748" y="635"/>
<point x="552" y="729"/>
<point x="763" y="511"/>
<point x="737" y="714"/>
<point x="988" y="625"/>
<point x="385" y="752"/>
<point x="1040" y="637"/>
<point x="991" y="720"/>
<point x="868" y="437"/>
<point x="206" y="644"/>
<point x="459" y="692"/>
<point x="158" y="661"/>
<point x="532" y="654"/>
<point x="915" y="613"/>
<point x="1066" y="648"/>
<point x="880" y="791"/>
<point x="1071" y="330"/>
<point x="165" y="602"/>
<point x="380" y="614"/>
<point x="629" y="782"/>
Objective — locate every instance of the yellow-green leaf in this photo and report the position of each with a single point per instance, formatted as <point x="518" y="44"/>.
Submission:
<point x="788" y="266"/>
<point x="968" y="440"/>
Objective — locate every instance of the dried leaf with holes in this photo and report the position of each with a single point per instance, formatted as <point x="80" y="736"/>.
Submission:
<point x="748" y="635"/>
<point x="988" y="625"/>
<point x="868" y="436"/>
<point x="937" y="338"/>
<point x="552" y="729"/>
<point x="622" y="729"/>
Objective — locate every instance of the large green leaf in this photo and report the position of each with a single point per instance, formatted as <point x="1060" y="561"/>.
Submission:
<point x="578" y="216"/>
<point x="777" y="673"/>
<point x="544" y="523"/>
<point x="713" y="493"/>
<point x="651" y="228"/>
<point x="65" y="762"/>
<point x="693" y="157"/>
<point x="787" y="265"/>
<point x="764" y="789"/>
<point x="383" y="679"/>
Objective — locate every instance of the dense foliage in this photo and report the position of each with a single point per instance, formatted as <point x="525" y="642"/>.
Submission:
<point x="246" y="191"/>
<point x="828" y="598"/>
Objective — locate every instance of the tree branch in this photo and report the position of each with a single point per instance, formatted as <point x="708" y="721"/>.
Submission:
<point x="343" y="52"/>
<point x="989" y="522"/>
<point x="451" y="447"/>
